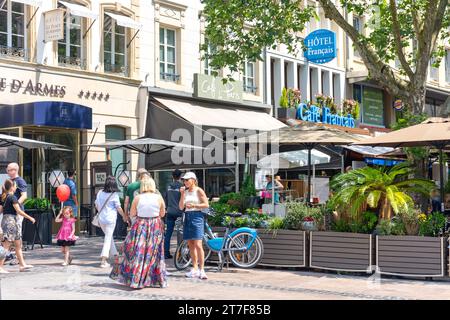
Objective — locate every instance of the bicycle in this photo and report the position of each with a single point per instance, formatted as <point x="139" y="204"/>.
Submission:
<point x="243" y="246"/>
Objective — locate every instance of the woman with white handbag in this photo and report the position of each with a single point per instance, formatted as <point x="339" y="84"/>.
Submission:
<point x="108" y="205"/>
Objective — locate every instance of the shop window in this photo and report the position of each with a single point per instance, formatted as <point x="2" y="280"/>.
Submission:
<point x="371" y="105"/>
<point x="248" y="77"/>
<point x="115" y="47"/>
<point x="71" y="48"/>
<point x="117" y="156"/>
<point x="12" y="29"/>
<point x="447" y="66"/>
<point x="167" y="55"/>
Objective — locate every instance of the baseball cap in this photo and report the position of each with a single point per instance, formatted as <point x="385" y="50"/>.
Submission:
<point x="189" y="175"/>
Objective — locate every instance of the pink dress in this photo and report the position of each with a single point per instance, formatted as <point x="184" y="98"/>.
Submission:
<point x="66" y="230"/>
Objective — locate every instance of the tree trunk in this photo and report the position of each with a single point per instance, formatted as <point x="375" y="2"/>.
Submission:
<point x="416" y="99"/>
<point x="385" y="209"/>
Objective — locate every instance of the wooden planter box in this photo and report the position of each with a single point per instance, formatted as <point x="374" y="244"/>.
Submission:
<point x="340" y="251"/>
<point x="411" y="256"/>
<point x="285" y="248"/>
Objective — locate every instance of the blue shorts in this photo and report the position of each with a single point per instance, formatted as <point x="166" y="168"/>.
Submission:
<point x="194" y="225"/>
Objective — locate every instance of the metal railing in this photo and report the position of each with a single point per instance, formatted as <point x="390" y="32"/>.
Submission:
<point x="116" y="68"/>
<point x="14" y="52"/>
<point x="72" y="62"/>
<point x="169" y="76"/>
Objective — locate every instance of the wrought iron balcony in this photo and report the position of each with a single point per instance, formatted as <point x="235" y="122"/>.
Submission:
<point x="116" y="68"/>
<point x="72" y="62"/>
<point x="13" y="52"/>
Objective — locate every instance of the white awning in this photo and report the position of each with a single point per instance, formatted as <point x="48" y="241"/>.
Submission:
<point x="204" y="114"/>
<point x="125" y="21"/>
<point x="81" y="11"/>
<point x="34" y="3"/>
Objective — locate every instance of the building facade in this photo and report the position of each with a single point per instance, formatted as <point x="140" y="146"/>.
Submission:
<point x="84" y="87"/>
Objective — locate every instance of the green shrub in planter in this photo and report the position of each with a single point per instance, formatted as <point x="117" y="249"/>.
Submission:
<point x="433" y="225"/>
<point x="366" y="223"/>
<point x="298" y="212"/>
<point x="393" y="227"/>
<point x="37" y="203"/>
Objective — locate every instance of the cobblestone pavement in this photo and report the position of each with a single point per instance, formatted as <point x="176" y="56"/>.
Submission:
<point x="85" y="280"/>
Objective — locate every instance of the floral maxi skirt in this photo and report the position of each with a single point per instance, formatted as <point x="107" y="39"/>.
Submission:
<point x="142" y="262"/>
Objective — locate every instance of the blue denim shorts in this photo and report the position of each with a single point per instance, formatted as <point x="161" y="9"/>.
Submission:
<point x="194" y="225"/>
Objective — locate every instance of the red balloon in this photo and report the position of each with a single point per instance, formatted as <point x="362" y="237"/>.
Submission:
<point x="63" y="192"/>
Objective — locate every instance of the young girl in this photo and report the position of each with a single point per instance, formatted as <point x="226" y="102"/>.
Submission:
<point x="10" y="207"/>
<point x="66" y="234"/>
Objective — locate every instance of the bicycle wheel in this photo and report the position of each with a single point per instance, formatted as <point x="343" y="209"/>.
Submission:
<point x="182" y="257"/>
<point x="245" y="259"/>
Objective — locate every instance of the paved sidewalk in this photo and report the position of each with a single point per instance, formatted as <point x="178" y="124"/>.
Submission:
<point x="86" y="280"/>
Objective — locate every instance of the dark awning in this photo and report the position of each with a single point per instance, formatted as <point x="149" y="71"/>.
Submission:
<point x="46" y="113"/>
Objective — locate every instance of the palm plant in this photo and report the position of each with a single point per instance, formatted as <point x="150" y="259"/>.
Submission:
<point x="378" y="185"/>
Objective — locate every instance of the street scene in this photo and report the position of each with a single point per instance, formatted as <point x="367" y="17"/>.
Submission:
<point x="224" y="150"/>
<point x="83" y="280"/>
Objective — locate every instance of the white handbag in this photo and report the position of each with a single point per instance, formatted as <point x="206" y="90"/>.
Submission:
<point x="95" y="219"/>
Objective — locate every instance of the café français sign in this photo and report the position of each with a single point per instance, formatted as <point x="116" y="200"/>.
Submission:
<point x="323" y="115"/>
<point x="320" y="46"/>
<point x="211" y="87"/>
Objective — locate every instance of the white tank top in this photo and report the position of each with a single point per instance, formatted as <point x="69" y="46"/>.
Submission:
<point x="191" y="197"/>
<point x="148" y="205"/>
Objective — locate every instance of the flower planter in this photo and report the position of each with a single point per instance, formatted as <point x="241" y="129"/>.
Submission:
<point x="44" y="227"/>
<point x="286" y="113"/>
<point x="340" y="251"/>
<point x="282" y="248"/>
<point x="411" y="256"/>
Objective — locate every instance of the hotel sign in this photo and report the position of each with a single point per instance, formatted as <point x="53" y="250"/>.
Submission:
<point x="33" y="88"/>
<point x="211" y="87"/>
<point x="323" y="115"/>
<point x="54" y="25"/>
<point x="320" y="46"/>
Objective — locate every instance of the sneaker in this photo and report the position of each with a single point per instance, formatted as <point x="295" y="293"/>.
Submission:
<point x="193" y="274"/>
<point x="105" y="265"/>
<point x="168" y="256"/>
<point x="65" y="264"/>
<point x="203" y="275"/>
<point x="3" y="271"/>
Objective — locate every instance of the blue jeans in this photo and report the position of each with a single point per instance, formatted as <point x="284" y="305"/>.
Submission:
<point x="170" y="222"/>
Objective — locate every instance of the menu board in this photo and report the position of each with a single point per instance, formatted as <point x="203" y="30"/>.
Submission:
<point x="372" y="107"/>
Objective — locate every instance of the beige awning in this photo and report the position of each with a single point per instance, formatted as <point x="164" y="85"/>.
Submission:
<point x="206" y="114"/>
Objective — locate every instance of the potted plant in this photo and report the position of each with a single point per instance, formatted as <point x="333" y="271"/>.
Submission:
<point x="347" y="246"/>
<point x="351" y="107"/>
<point x="287" y="109"/>
<point x="383" y="188"/>
<point x="403" y="252"/>
<point x="248" y="191"/>
<point x="39" y="208"/>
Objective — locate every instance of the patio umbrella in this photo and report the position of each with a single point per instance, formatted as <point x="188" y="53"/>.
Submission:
<point x="306" y="136"/>
<point x="291" y="159"/>
<point x="16" y="142"/>
<point x="143" y="145"/>
<point x="433" y="132"/>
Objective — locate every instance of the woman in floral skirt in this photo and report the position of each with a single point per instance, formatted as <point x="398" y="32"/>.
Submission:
<point x="143" y="250"/>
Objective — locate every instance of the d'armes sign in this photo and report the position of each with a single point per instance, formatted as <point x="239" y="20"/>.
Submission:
<point x="324" y="115"/>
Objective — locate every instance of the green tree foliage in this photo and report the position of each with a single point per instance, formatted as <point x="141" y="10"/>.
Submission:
<point x="241" y="29"/>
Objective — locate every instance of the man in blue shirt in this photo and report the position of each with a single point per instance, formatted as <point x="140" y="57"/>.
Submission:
<point x="172" y="200"/>
<point x="72" y="201"/>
